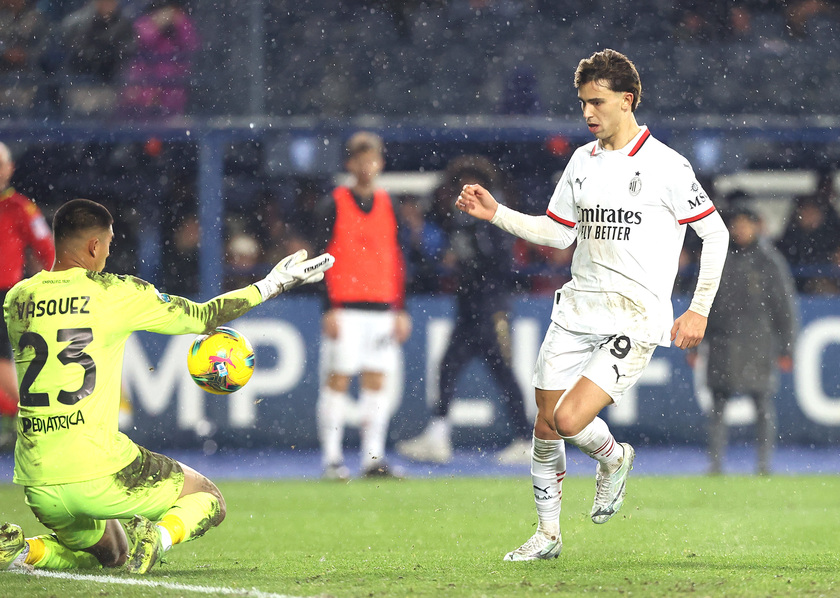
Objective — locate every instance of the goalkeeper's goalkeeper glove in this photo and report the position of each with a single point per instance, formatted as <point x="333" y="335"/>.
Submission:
<point x="293" y="271"/>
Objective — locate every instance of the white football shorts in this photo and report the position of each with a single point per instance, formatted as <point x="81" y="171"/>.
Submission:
<point x="365" y="343"/>
<point x="613" y="362"/>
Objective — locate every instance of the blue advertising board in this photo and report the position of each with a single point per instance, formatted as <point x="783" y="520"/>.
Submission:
<point x="277" y="408"/>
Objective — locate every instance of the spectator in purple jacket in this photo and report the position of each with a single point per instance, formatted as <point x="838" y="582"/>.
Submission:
<point x="158" y="79"/>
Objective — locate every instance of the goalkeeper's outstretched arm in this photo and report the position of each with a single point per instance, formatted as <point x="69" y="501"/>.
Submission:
<point x="177" y="315"/>
<point x="478" y="202"/>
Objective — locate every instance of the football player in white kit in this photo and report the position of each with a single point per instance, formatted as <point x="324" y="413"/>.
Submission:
<point x="626" y="199"/>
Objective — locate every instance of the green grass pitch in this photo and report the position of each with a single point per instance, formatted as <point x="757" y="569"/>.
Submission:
<point x="675" y="536"/>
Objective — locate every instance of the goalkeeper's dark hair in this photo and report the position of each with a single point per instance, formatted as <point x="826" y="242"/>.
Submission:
<point x="364" y="141"/>
<point x="613" y="69"/>
<point x="78" y="216"/>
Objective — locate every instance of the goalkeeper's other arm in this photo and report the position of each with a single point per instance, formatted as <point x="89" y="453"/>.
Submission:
<point x="293" y="271"/>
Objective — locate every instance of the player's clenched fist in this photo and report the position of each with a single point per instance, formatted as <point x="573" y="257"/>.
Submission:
<point x="292" y="271"/>
<point x="476" y="201"/>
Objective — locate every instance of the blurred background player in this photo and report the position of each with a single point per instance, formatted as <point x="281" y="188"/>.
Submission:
<point x="750" y="335"/>
<point x="365" y="322"/>
<point x="79" y="473"/>
<point x="22" y="229"/>
<point x="482" y="260"/>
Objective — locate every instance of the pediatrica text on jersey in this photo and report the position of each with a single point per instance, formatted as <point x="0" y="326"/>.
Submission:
<point x="606" y="224"/>
<point x="31" y="425"/>
<point x="51" y="307"/>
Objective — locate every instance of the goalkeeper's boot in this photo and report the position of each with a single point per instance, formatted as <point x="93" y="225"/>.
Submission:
<point x="147" y="549"/>
<point x="12" y="545"/>
<point x="541" y="545"/>
<point x="426" y="447"/>
<point x="611" y="487"/>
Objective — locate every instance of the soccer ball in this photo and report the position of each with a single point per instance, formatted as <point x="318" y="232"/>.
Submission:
<point x="221" y="362"/>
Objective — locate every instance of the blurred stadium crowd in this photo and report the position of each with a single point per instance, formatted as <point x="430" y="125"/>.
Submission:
<point x="408" y="57"/>
<point x="117" y="61"/>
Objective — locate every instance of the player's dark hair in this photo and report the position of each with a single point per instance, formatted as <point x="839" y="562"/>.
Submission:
<point x="364" y="141"/>
<point x="80" y="215"/>
<point x="613" y="68"/>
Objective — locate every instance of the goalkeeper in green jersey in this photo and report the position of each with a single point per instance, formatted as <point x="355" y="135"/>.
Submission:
<point x="80" y="474"/>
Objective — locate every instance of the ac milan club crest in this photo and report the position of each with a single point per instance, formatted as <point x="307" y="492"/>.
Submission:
<point x="635" y="185"/>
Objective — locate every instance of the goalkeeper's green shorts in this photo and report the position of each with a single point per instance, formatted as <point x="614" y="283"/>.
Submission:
<point x="77" y="512"/>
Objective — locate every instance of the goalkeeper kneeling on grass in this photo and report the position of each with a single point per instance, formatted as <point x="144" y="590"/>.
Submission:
<point x="68" y="328"/>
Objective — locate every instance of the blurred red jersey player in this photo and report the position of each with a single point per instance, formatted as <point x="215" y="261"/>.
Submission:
<point x="22" y="226"/>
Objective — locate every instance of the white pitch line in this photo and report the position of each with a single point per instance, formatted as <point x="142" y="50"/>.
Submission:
<point x="133" y="581"/>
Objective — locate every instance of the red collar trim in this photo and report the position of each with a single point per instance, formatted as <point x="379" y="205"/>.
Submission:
<point x="644" y="137"/>
<point x="640" y="143"/>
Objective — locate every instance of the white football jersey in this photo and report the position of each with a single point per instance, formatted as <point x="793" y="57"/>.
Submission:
<point x="630" y="207"/>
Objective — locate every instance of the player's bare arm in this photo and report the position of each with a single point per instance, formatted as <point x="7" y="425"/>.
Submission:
<point x="402" y="326"/>
<point x="329" y="324"/>
<point x="477" y="201"/>
<point x="688" y="330"/>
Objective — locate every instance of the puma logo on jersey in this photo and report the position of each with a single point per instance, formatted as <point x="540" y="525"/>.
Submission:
<point x="580" y="182"/>
<point x="618" y="375"/>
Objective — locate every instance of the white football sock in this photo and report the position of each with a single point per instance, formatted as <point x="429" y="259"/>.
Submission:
<point x="331" y="416"/>
<point x="374" y="430"/>
<point x="597" y="441"/>
<point x="548" y="468"/>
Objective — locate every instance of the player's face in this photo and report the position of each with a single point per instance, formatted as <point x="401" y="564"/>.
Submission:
<point x="366" y="166"/>
<point x="604" y="110"/>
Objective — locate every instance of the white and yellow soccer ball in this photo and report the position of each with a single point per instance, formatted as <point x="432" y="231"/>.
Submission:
<point x="221" y="362"/>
